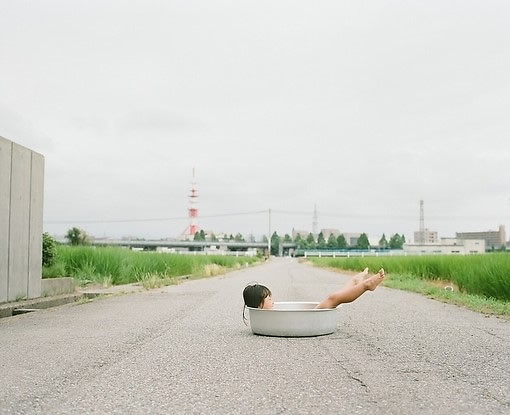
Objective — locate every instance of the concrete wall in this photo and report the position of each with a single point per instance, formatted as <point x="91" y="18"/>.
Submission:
<point x="21" y="217"/>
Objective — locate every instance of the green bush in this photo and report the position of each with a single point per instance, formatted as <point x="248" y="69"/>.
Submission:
<point x="49" y="250"/>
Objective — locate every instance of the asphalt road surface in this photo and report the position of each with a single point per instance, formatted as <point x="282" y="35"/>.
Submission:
<point x="184" y="349"/>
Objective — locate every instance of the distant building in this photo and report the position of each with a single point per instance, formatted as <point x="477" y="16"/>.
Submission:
<point x="164" y="249"/>
<point x="425" y="237"/>
<point x="351" y="238"/>
<point x="448" y="246"/>
<point x="493" y="239"/>
<point x="302" y="233"/>
<point x="330" y="231"/>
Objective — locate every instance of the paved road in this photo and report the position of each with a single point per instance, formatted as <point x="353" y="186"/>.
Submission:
<point x="184" y="349"/>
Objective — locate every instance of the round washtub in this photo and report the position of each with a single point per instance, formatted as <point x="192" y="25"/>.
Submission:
<point x="290" y="319"/>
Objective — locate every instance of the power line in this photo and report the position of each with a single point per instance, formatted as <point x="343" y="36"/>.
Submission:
<point x="66" y="222"/>
<point x="281" y="212"/>
<point x="380" y="216"/>
<point x="288" y="212"/>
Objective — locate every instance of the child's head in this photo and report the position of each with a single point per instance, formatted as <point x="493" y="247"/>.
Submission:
<point x="257" y="296"/>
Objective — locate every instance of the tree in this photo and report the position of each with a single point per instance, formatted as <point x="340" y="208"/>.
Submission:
<point x="297" y="238"/>
<point x="383" y="243"/>
<point x="199" y="236"/>
<point x="264" y="239"/>
<point x="239" y="238"/>
<point x="275" y="243"/>
<point x="332" y="244"/>
<point x="363" y="242"/>
<point x="77" y="236"/>
<point x="287" y="238"/>
<point x="49" y="250"/>
<point x="321" y="242"/>
<point x="341" y="243"/>
<point x="310" y="240"/>
<point x="396" y="241"/>
<point x="302" y="244"/>
<point x="213" y="238"/>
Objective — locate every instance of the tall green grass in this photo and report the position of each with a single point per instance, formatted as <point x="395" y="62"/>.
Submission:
<point x="122" y="266"/>
<point x="487" y="275"/>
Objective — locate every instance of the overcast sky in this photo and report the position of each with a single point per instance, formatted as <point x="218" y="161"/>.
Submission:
<point x="360" y="107"/>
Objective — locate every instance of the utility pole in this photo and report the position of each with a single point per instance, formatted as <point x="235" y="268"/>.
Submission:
<point x="269" y="235"/>
<point x="422" y="223"/>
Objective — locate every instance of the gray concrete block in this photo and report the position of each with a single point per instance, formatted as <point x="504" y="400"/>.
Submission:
<point x="36" y="226"/>
<point x="19" y="223"/>
<point x="5" y="201"/>
<point x="7" y="309"/>
<point x="57" y="286"/>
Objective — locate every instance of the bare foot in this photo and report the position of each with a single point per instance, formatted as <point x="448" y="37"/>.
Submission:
<point x="366" y="275"/>
<point x="363" y="275"/>
<point x="375" y="280"/>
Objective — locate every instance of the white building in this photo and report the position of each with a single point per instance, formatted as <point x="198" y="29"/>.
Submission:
<point x="448" y="246"/>
<point x="426" y="237"/>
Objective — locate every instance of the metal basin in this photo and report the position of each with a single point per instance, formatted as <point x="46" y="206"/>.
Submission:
<point x="290" y="319"/>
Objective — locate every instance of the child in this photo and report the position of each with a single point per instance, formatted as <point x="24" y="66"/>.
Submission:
<point x="259" y="296"/>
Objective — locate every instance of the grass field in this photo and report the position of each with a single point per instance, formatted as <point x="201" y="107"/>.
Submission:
<point x="487" y="275"/>
<point x="109" y="265"/>
<point x="481" y="282"/>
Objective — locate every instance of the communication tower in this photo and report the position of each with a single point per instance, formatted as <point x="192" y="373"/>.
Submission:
<point x="192" y="228"/>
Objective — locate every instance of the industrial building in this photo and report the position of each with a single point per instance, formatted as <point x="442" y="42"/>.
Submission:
<point x="426" y="237"/>
<point x="447" y="246"/>
<point x="493" y="239"/>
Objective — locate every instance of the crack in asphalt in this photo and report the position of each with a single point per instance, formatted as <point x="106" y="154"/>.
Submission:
<point x="491" y="334"/>
<point x="488" y="394"/>
<point x="346" y="370"/>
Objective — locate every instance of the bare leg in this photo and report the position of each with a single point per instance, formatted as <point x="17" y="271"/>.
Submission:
<point x="351" y="292"/>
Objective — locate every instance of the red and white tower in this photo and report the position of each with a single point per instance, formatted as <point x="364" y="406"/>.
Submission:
<point x="192" y="228"/>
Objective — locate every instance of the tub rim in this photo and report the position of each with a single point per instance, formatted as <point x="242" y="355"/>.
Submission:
<point x="294" y="309"/>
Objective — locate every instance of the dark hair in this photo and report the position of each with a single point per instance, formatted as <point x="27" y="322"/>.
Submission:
<point x="254" y="296"/>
